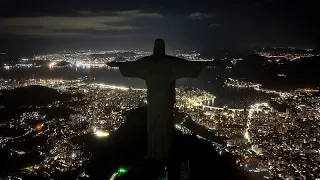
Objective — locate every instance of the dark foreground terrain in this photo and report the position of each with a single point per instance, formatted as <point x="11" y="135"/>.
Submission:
<point x="127" y="147"/>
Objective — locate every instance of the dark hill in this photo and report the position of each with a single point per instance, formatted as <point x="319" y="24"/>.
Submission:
<point x="303" y="72"/>
<point x="31" y="95"/>
<point x="251" y="68"/>
<point x="299" y="73"/>
<point x="316" y="51"/>
<point x="62" y="64"/>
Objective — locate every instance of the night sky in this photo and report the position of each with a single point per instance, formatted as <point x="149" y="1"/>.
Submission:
<point x="200" y="24"/>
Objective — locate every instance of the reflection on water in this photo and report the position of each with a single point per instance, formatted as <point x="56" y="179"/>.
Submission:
<point x="103" y="75"/>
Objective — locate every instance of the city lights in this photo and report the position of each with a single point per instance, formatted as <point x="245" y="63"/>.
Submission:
<point x="262" y="133"/>
<point x="101" y="134"/>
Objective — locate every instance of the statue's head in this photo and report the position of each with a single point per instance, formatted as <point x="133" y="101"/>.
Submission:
<point x="159" y="47"/>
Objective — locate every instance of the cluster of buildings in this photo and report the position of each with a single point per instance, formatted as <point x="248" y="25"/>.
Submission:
<point x="285" y="55"/>
<point x="94" y="109"/>
<point x="229" y="82"/>
<point x="275" y="139"/>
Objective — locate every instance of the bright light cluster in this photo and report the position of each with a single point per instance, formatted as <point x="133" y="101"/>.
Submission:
<point x="101" y="133"/>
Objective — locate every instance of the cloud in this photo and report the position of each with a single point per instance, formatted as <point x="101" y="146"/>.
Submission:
<point x="198" y="16"/>
<point x="214" y="25"/>
<point x="73" y="25"/>
<point x="126" y="14"/>
<point x="137" y="13"/>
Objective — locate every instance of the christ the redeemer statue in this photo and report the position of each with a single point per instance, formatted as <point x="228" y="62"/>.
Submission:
<point x="160" y="72"/>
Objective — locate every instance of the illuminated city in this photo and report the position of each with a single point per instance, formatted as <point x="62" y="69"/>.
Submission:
<point x="87" y="59"/>
<point x="251" y="133"/>
<point x="289" y="56"/>
<point x="274" y="135"/>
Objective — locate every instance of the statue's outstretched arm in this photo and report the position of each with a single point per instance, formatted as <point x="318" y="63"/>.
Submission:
<point x="131" y="68"/>
<point x="190" y="69"/>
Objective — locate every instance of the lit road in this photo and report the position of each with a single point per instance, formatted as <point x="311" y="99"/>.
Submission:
<point x="246" y="132"/>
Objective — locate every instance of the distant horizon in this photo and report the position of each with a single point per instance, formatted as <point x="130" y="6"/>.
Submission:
<point x="29" y="46"/>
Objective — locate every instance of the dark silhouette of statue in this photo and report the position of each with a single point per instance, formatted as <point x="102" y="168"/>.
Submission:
<point x="160" y="72"/>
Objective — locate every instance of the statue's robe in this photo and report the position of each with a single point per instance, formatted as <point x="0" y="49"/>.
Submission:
<point x="160" y="74"/>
